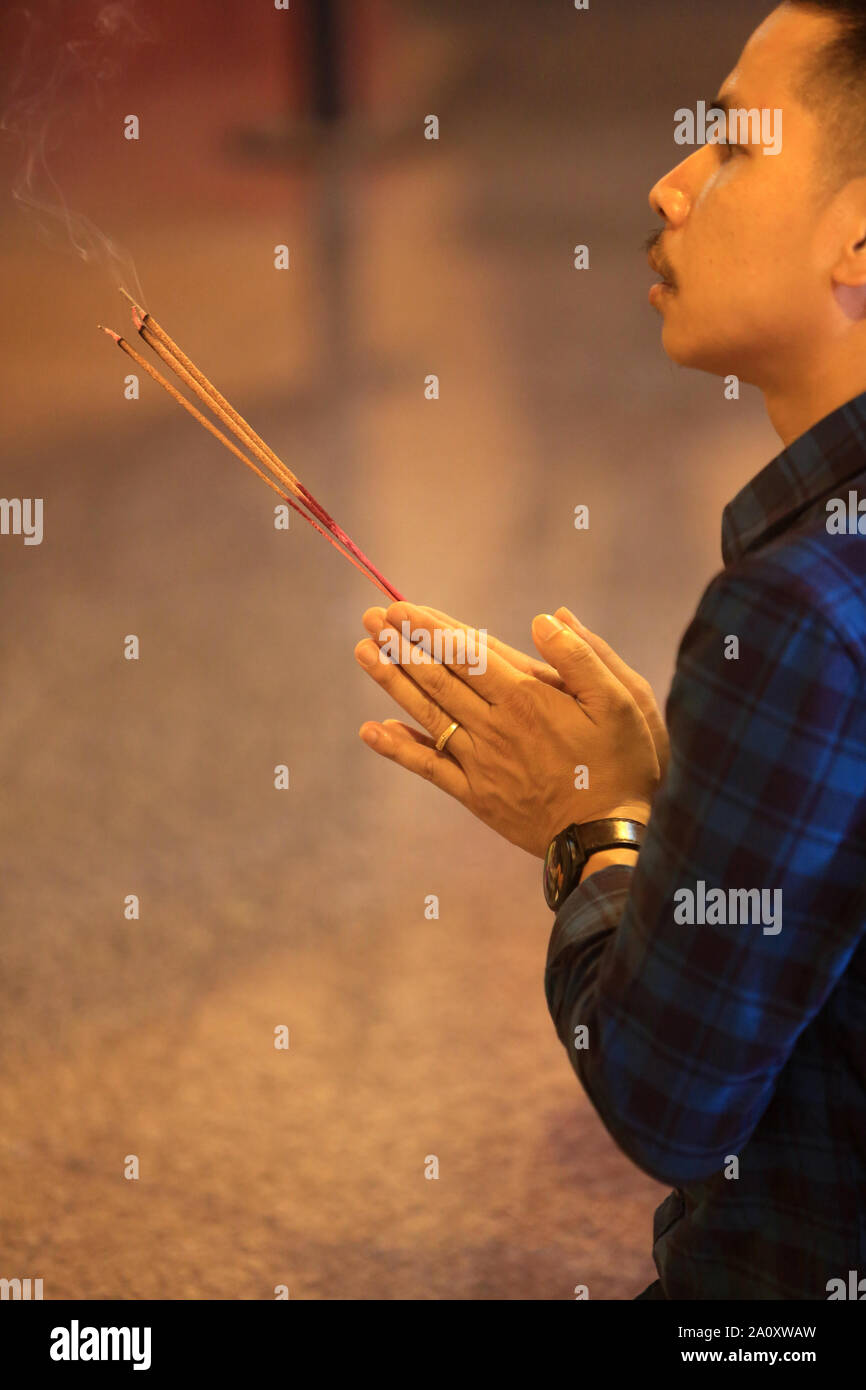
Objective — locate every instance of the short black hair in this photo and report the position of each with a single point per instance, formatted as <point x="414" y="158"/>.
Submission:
<point x="834" y="81"/>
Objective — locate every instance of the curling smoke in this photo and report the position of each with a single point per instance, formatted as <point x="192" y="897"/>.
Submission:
<point x="56" y="74"/>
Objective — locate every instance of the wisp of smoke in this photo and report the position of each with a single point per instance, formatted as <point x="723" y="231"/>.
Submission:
<point x="55" y="73"/>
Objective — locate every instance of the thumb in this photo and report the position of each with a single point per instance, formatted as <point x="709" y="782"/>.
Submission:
<point x="583" y="673"/>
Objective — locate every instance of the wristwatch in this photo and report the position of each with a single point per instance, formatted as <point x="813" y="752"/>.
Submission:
<point x="569" y="851"/>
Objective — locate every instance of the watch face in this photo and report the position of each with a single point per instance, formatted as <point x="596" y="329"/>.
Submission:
<point x="558" y="869"/>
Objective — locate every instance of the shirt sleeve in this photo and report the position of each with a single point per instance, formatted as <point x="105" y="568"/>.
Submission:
<point x="678" y="1029"/>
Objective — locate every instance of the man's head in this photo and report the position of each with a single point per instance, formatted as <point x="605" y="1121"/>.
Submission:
<point x="765" y="254"/>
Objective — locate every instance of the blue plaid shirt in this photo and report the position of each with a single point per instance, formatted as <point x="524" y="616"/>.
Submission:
<point x="725" y="1045"/>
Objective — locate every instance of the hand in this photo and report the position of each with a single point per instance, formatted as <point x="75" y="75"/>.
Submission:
<point x="375" y="619"/>
<point x="512" y="761"/>
<point x="640" y="689"/>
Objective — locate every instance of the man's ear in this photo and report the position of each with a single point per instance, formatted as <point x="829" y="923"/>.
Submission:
<point x="848" y="230"/>
<point x="849" y="282"/>
<point x="849" y="259"/>
<point x="851" y="269"/>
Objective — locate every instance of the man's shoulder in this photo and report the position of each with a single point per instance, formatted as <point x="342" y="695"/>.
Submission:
<point x="808" y="585"/>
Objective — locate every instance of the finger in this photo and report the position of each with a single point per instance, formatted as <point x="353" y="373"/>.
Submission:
<point x="634" y="682"/>
<point x="418" y="702"/>
<point x="612" y="660"/>
<point x="584" y="673"/>
<point x="488" y="674"/>
<point x="449" y="694"/>
<point x="374" y="620"/>
<point x="529" y="665"/>
<point x="416" y="753"/>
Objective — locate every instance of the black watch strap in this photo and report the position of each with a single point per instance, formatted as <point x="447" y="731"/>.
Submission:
<point x="570" y="850"/>
<point x="607" y="834"/>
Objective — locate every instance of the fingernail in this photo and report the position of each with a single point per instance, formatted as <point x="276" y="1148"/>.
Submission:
<point x="367" y="653"/>
<point x="548" y="626"/>
<point x="370" y="736"/>
<point x="570" y="616"/>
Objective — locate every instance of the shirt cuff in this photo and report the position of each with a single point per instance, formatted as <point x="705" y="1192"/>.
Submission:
<point x="595" y="905"/>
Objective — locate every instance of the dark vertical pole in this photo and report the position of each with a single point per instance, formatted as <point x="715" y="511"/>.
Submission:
<point x="327" y="93"/>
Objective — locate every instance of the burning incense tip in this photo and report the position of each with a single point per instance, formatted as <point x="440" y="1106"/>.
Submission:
<point x="137" y="318"/>
<point x="132" y="301"/>
<point x="110" y="332"/>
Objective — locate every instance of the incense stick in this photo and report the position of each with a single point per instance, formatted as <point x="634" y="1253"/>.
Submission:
<point x="157" y="338"/>
<point x="265" y="456"/>
<point x="218" y="434"/>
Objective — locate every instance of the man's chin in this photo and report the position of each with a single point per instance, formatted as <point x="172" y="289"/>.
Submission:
<point x="688" y="350"/>
<point x="685" y="341"/>
<point x="678" y="343"/>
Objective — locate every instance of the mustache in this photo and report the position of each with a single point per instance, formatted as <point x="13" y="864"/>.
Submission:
<point x="652" y="248"/>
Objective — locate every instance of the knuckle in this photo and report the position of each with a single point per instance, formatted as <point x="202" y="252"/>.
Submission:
<point x="431" y="715"/>
<point x="645" y="692"/>
<point x="523" y="694"/>
<point x="435" y="676"/>
<point x="620" y="701"/>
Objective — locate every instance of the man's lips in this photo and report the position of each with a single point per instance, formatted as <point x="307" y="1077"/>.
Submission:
<point x="665" y="275"/>
<point x="665" y="286"/>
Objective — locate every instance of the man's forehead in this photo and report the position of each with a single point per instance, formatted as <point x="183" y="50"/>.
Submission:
<point x="775" y="56"/>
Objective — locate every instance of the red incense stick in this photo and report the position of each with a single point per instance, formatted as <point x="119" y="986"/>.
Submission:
<point x="388" y="591"/>
<point x="160" y="342"/>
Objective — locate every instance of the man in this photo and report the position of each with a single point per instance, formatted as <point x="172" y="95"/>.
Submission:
<point x="707" y="974"/>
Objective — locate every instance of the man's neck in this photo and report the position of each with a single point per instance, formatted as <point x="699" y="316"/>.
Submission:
<point x="794" y="409"/>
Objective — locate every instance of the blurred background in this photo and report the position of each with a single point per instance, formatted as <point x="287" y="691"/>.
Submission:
<point x="408" y="1036"/>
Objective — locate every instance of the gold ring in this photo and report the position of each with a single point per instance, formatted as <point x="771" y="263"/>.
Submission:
<point x="443" y="738"/>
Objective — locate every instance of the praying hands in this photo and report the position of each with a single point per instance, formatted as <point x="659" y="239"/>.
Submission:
<point x="527" y="746"/>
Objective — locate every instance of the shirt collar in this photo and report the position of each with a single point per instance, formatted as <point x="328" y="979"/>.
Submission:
<point x="828" y="454"/>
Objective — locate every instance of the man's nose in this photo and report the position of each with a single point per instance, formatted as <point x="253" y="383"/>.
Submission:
<point x="670" y="199"/>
